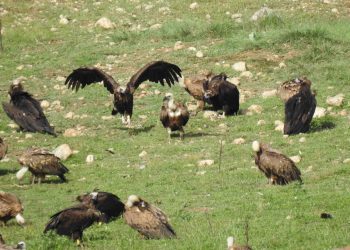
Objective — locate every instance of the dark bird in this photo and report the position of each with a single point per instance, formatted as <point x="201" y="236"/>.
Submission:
<point x="292" y="87"/>
<point x="107" y="203"/>
<point x="10" y="207"/>
<point x="147" y="219"/>
<point x="157" y="71"/>
<point x="173" y="115"/>
<point x="278" y="168"/>
<point x="21" y="245"/>
<point x="40" y="163"/>
<point x="300" y="107"/>
<point x="326" y="216"/>
<point x="222" y="94"/>
<point x="26" y="111"/>
<point x="3" y="148"/>
<point x="73" y="221"/>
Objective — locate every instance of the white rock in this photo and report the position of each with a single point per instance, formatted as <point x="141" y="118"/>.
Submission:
<point x="28" y="136"/>
<point x="279" y="125"/>
<point x="239" y="141"/>
<point x="199" y="54"/>
<point x="263" y="12"/>
<point x="207" y="16"/>
<point x="223" y="126"/>
<point x="236" y="16"/>
<point x="204" y="163"/>
<point x="105" y="23"/>
<point x="282" y="65"/>
<point x="192" y="49"/>
<point x="302" y="139"/>
<point x="106" y="117"/>
<point x="90" y="159"/>
<point x="210" y="114"/>
<point x="63" y="20"/>
<point x="295" y="159"/>
<point x="194" y="5"/>
<point x="19" y="80"/>
<point x="69" y="115"/>
<point x="335" y="100"/>
<point x="234" y="80"/>
<point x="347" y="160"/>
<point x="143" y="153"/>
<point x="155" y="26"/>
<point x="71" y="132"/>
<point x="63" y="152"/>
<point x="157" y="92"/>
<point x="44" y="104"/>
<point x="12" y="125"/>
<point x="255" y="108"/>
<point x="143" y="117"/>
<point x="201" y="172"/>
<point x="261" y="122"/>
<point x="246" y="74"/>
<point x="269" y="93"/>
<point x="335" y="10"/>
<point x="239" y="66"/>
<point x="179" y="45"/>
<point x="319" y="112"/>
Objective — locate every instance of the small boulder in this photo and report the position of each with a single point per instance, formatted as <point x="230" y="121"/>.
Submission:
<point x="71" y="132"/>
<point x="239" y="66"/>
<point x="335" y="100"/>
<point x="143" y="154"/>
<point x="199" y="54"/>
<point x="295" y="159"/>
<point x="194" y="5"/>
<point x="246" y="74"/>
<point x="179" y="45"/>
<point x="89" y="159"/>
<point x="44" y="104"/>
<point x="63" y="152"/>
<point x="104" y="23"/>
<point x="205" y="163"/>
<point x="319" y="112"/>
<point x="269" y="93"/>
<point x="261" y="122"/>
<point x="239" y="141"/>
<point x="263" y="12"/>
<point x="69" y="115"/>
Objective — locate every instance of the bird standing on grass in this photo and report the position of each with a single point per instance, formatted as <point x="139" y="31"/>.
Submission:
<point x="10" y="207"/>
<point x="21" y="245"/>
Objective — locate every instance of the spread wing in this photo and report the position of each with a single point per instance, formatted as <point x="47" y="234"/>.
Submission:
<point x="158" y="71"/>
<point x="164" y="117"/>
<point x="85" y="76"/>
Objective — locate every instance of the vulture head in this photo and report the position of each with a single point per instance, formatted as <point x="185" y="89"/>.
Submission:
<point x="134" y="200"/>
<point x="15" y="87"/>
<point x="256" y="146"/>
<point x="168" y="101"/>
<point x="21" y="245"/>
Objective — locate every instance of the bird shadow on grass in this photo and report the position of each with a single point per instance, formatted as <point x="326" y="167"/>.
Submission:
<point x="7" y="171"/>
<point x="321" y="124"/>
<point x="136" y="131"/>
<point x="198" y="134"/>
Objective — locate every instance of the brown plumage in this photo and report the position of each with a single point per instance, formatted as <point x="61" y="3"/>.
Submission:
<point x="40" y="162"/>
<point x="3" y="148"/>
<point x="292" y="87"/>
<point x="26" y="111"/>
<point x="278" y="168"/>
<point x="232" y="246"/>
<point x="173" y="115"/>
<point x="10" y="207"/>
<point x="157" y="71"/>
<point x="147" y="219"/>
<point x="20" y="245"/>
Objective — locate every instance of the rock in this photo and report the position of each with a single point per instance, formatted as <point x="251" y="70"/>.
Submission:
<point x="60" y="78"/>
<point x="192" y="49"/>
<point x="191" y="107"/>
<point x="335" y="10"/>
<point x="13" y="125"/>
<point x="105" y="23"/>
<point x="295" y="159"/>
<point x="207" y="16"/>
<point x="255" y="108"/>
<point x="44" y="104"/>
<point x="210" y="114"/>
<point x="201" y="172"/>
<point x="347" y="160"/>
<point x="319" y="112"/>
<point x="302" y="139"/>
<point x="89" y="159"/>
<point x="143" y="154"/>
<point x="279" y="125"/>
<point x="155" y="26"/>
<point x="269" y="93"/>
<point x="28" y="136"/>
<point x="157" y="92"/>
<point x="179" y="45"/>
<point x="335" y="100"/>
<point x="69" y="115"/>
<point x="236" y="16"/>
<point x="205" y="163"/>
<point x="63" y="20"/>
<point x="263" y="12"/>
<point x="143" y="117"/>
<point x="246" y="74"/>
<point x="239" y="66"/>
<point x="282" y="65"/>
<point x="71" y="132"/>
<point x="239" y="141"/>
<point x="234" y="80"/>
<point x="63" y="152"/>
<point x="261" y="122"/>
<point x="106" y="117"/>
<point x="223" y="126"/>
<point x="199" y="54"/>
<point x="194" y="5"/>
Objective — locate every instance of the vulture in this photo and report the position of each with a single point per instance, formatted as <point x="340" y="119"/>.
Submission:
<point x="300" y="106"/>
<point x="222" y="94"/>
<point x="40" y="163"/>
<point x="26" y="111"/>
<point x="157" y="71"/>
<point x="10" y="207"/>
<point x="147" y="219"/>
<point x="107" y="203"/>
<point x="278" y="168"/>
<point x="73" y="221"/>
<point x="232" y="246"/>
<point x="21" y="245"/>
<point x="194" y="86"/>
<point x="173" y="115"/>
<point x="3" y="148"/>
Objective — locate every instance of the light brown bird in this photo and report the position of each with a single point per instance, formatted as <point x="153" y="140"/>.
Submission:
<point x="174" y="115"/>
<point x="3" y="148"/>
<point x="40" y="163"/>
<point x="147" y="219"/>
<point x="292" y="87"/>
<point x="278" y="168"/>
<point x="21" y="245"/>
<point x="10" y="207"/>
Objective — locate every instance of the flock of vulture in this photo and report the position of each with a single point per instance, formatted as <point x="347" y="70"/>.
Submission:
<point x="148" y="220"/>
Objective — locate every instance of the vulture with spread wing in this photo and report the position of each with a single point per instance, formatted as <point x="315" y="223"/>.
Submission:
<point x="73" y="221"/>
<point x="107" y="203"/>
<point x="278" y="168"/>
<point x="147" y="219"/>
<point x="10" y="207"/>
<point x="21" y="245"/>
<point x="222" y="94"/>
<point x="26" y="111"/>
<point x="3" y="148"/>
<point x="157" y="71"/>
<point x="173" y="115"/>
<point x="40" y="163"/>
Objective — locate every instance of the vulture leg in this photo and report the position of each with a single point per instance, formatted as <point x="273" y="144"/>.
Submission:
<point x="169" y="135"/>
<point x="123" y="120"/>
<point x="182" y="134"/>
<point x="2" y="223"/>
<point x="200" y="105"/>
<point x="128" y="121"/>
<point x="33" y="179"/>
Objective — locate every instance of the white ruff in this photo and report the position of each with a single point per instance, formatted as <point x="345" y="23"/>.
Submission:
<point x="230" y="241"/>
<point x="20" y="220"/>
<point x="256" y="146"/>
<point x="21" y="173"/>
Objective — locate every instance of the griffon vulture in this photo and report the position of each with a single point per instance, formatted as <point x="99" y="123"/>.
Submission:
<point x="107" y="203"/>
<point x="10" y="207"/>
<point x="3" y="148"/>
<point x="73" y="221"/>
<point x="21" y="245"/>
<point x="40" y="162"/>
<point x="157" y="71"/>
<point x="278" y="168"/>
<point x="222" y="94"/>
<point x="293" y="87"/>
<point x="173" y="115"/>
<point x="147" y="219"/>
<point x="26" y="111"/>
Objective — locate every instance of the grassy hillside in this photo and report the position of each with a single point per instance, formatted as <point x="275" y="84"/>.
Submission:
<point x="205" y="204"/>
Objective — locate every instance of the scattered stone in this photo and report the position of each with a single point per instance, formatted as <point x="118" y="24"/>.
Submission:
<point x="205" y="163"/>
<point x="319" y="112"/>
<point x="236" y="15"/>
<point x="143" y="117"/>
<point x="343" y="112"/>
<point x="71" y="132"/>
<point x="28" y="136"/>
<point x="142" y="166"/>
<point x="261" y="122"/>
<point x="207" y="16"/>
<point x="239" y="141"/>
<point x="143" y="153"/>
<point x="63" y="20"/>
<point x="302" y="139"/>
<point x="194" y="5"/>
<point x="252" y="36"/>
<point x="69" y="115"/>
<point x="90" y="159"/>
<point x="335" y="10"/>
<point x="295" y="159"/>
<point x="106" y="117"/>
<point x="44" y="104"/>
<point x="247" y="74"/>
<point x="105" y="23"/>
<point x="155" y="26"/>
<point x="282" y="65"/>
<point x="199" y="54"/>
<point x="239" y="66"/>
<point x="335" y="100"/>
<point x="347" y="160"/>
<point x="223" y="126"/>
<point x="179" y="45"/>
<point x="201" y="172"/>
<point x="279" y="125"/>
<point x="269" y="93"/>
<point x="63" y="152"/>
<point x="289" y="217"/>
<point x="234" y="80"/>
<point x="263" y="12"/>
<point x="210" y="114"/>
<point x="19" y="80"/>
<point x="192" y="49"/>
<point x="157" y="92"/>
<point x="255" y="108"/>
<point x="13" y="125"/>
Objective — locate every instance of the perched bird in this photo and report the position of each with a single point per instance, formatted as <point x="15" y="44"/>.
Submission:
<point x="21" y="245"/>
<point x="157" y="71"/>
<point x="107" y="203"/>
<point x="300" y="107"/>
<point x="232" y="246"/>
<point x="147" y="219"/>
<point x="292" y="87"/>
<point x="278" y="168"/>
<point x="26" y="111"/>
<point x="10" y="207"/>
<point x="3" y="148"/>
<point x="40" y="162"/>
<point x="222" y="94"/>
<point x="74" y="220"/>
<point x="173" y="115"/>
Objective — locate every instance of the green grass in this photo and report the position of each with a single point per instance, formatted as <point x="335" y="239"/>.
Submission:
<point x="203" y="209"/>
